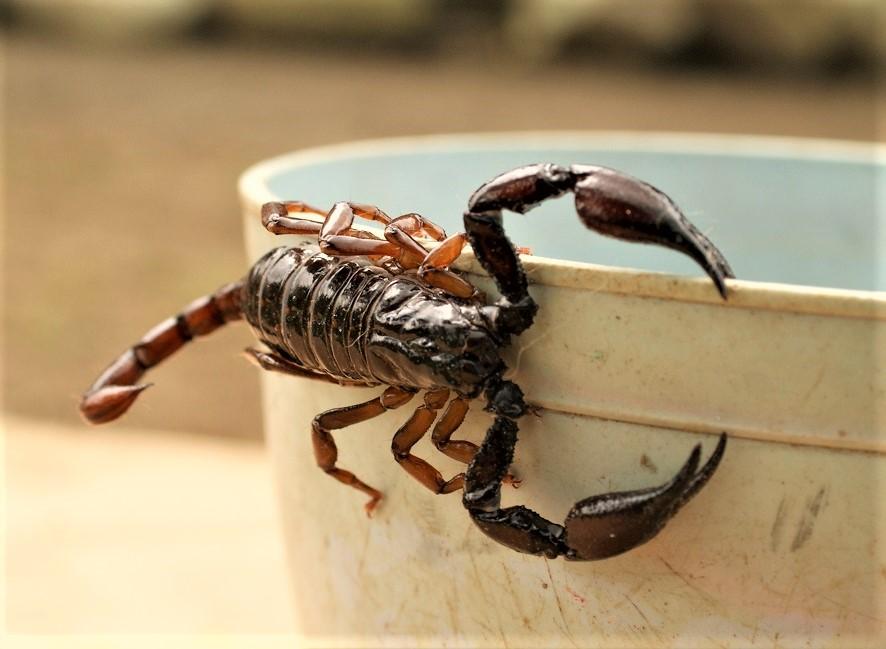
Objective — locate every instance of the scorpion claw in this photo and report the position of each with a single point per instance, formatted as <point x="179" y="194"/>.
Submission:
<point x="108" y="403"/>
<point x="597" y="527"/>
<point x="609" y="524"/>
<point x="607" y="201"/>
<point x="618" y="205"/>
<point x="521" y="529"/>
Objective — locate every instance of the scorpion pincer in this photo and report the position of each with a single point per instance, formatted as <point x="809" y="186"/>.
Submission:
<point x="356" y="309"/>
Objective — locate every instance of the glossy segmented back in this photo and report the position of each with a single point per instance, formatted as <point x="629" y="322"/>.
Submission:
<point x="315" y="309"/>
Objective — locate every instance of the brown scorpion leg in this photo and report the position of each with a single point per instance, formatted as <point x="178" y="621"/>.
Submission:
<point x="338" y="237"/>
<point x="460" y="450"/>
<point x="407" y="437"/>
<point x="415" y="224"/>
<point x="433" y="268"/>
<point x="276" y="220"/>
<point x="325" y="450"/>
<point x="275" y="217"/>
<point x="115" y="389"/>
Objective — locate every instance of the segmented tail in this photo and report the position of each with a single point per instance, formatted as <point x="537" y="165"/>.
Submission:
<point x="116" y="389"/>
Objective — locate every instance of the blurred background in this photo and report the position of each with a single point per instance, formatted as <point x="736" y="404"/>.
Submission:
<point x="126" y="125"/>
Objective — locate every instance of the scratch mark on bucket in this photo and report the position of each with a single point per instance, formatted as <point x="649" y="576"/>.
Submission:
<point x="778" y="524"/>
<point x="807" y="522"/>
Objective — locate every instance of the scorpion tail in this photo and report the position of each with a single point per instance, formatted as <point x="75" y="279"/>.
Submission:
<point x="116" y="388"/>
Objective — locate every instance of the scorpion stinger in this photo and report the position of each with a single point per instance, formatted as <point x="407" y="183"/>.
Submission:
<point x="613" y="204"/>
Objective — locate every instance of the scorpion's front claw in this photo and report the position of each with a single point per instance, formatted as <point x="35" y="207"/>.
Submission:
<point x="521" y="529"/>
<point x="608" y="201"/>
<point x="618" y="205"/>
<point x="597" y="527"/>
<point x="609" y="524"/>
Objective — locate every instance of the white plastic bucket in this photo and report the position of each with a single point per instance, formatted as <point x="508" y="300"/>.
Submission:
<point x="784" y="547"/>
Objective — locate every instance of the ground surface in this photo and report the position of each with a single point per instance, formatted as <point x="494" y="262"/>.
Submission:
<point x="140" y="532"/>
<point x="121" y="168"/>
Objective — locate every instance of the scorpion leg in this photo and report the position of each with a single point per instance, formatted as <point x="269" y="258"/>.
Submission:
<point x="453" y="417"/>
<point x="401" y="246"/>
<point x="410" y="433"/>
<point x="597" y="527"/>
<point x="608" y="201"/>
<point x="433" y="268"/>
<point x="275" y="217"/>
<point x="460" y="450"/>
<point x="415" y="224"/>
<point x="325" y="450"/>
<point x="337" y="237"/>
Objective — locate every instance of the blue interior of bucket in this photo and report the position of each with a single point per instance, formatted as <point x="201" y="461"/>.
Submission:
<point x="809" y="220"/>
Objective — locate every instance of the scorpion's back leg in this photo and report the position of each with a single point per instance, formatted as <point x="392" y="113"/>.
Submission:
<point x="434" y="268"/>
<point x="460" y="450"/>
<point x="275" y="217"/>
<point x="409" y="435"/>
<point x="325" y="450"/>
<point x="337" y="237"/>
<point x="416" y="224"/>
<point x="453" y="417"/>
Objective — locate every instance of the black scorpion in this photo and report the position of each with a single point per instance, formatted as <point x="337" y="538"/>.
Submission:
<point x="360" y="310"/>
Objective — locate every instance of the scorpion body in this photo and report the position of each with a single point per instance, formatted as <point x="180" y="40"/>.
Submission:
<point x="356" y="322"/>
<point x="355" y="309"/>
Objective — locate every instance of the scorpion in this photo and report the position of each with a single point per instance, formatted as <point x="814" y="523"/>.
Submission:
<point x="357" y="309"/>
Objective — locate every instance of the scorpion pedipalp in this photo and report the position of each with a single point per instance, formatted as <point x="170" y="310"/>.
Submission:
<point x="597" y="527"/>
<point x="609" y="524"/>
<point x="608" y="201"/>
<point x="617" y="205"/>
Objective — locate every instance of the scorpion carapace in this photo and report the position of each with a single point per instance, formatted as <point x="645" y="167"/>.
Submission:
<point x="356" y="309"/>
